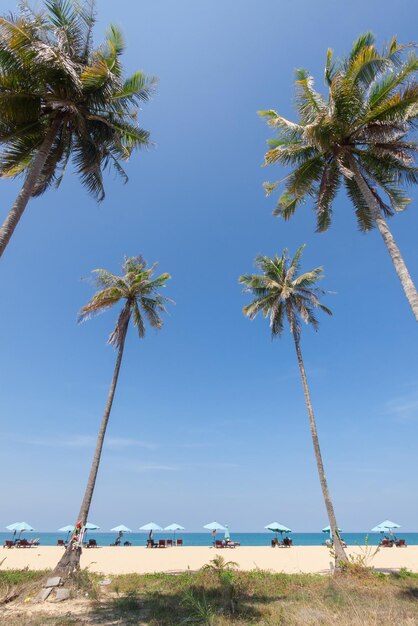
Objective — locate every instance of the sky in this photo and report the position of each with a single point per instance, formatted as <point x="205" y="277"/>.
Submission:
<point x="209" y="420"/>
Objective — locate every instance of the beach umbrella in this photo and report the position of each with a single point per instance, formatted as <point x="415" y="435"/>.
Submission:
<point x="327" y="529"/>
<point x="20" y="526"/>
<point x="150" y="526"/>
<point x="173" y="528"/>
<point x="275" y="527"/>
<point x="214" y="526"/>
<point x="66" y="529"/>
<point x="386" y="525"/>
<point x="227" y="535"/>
<point x="121" y="528"/>
<point x="90" y="526"/>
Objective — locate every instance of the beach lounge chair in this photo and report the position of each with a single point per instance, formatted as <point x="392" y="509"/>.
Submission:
<point x="219" y="544"/>
<point x="274" y="543"/>
<point x="169" y="543"/>
<point x="8" y="544"/>
<point x="92" y="543"/>
<point x="386" y="543"/>
<point x="150" y="543"/>
<point x="23" y="543"/>
<point x="401" y="543"/>
<point x="161" y="543"/>
<point x="34" y="542"/>
<point x="61" y="542"/>
<point x="179" y="542"/>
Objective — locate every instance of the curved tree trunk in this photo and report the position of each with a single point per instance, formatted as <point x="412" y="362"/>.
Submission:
<point x="340" y="555"/>
<point x="70" y="561"/>
<point x="16" y="212"/>
<point x="395" y="254"/>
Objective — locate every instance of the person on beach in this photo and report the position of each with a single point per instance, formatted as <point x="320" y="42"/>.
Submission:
<point x="119" y="537"/>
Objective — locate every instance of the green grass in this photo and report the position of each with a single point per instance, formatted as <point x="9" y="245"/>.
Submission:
<point x="259" y="599"/>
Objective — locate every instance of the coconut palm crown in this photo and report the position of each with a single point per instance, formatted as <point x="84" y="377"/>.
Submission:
<point x="360" y="135"/>
<point x="281" y="293"/>
<point x="365" y="122"/>
<point x="61" y="100"/>
<point x="137" y="289"/>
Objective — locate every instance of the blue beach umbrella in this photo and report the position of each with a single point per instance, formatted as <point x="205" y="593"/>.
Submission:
<point x="121" y="528"/>
<point x="173" y="528"/>
<point x="20" y="526"/>
<point x="275" y="527"/>
<point x="384" y="526"/>
<point x="214" y="527"/>
<point x="150" y="526"/>
<point x="90" y="526"/>
<point x="227" y="536"/>
<point x="327" y="529"/>
<point x="66" y="529"/>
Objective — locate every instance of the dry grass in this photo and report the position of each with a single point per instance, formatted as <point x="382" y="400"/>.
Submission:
<point x="260" y="599"/>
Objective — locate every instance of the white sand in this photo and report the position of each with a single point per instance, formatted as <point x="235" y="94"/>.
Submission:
<point x="123" y="560"/>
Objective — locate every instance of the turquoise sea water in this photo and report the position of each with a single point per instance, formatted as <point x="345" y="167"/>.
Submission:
<point x="205" y="539"/>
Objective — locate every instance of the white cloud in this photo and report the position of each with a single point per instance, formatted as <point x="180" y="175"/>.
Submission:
<point x="80" y="441"/>
<point x="404" y="408"/>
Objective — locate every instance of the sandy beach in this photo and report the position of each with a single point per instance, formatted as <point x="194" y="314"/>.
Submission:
<point x="124" y="560"/>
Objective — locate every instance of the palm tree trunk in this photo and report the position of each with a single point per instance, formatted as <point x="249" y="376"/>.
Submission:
<point x="16" y="212"/>
<point x="395" y="254"/>
<point x="340" y="555"/>
<point x="70" y="560"/>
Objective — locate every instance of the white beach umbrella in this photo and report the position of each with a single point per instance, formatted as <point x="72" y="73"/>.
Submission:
<point x="91" y="526"/>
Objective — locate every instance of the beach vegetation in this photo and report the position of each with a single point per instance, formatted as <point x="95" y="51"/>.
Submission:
<point x="358" y="136"/>
<point x="219" y="565"/>
<point x="282" y="294"/>
<point x="138" y="291"/>
<point x="62" y="99"/>
<point x="199" y="611"/>
<point x="262" y="599"/>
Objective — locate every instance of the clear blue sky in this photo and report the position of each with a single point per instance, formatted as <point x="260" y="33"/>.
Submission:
<point x="209" y="420"/>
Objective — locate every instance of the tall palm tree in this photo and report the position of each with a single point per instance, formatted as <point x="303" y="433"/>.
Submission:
<point x="139" y="293"/>
<point x="359" y="135"/>
<point x="60" y="98"/>
<point x="281" y="294"/>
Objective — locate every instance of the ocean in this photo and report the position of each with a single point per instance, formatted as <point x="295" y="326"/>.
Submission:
<point x="205" y="539"/>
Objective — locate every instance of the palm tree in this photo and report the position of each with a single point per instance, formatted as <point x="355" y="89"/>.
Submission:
<point x="60" y="98"/>
<point x="358" y="135"/>
<point x="281" y="294"/>
<point x="138" y="291"/>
